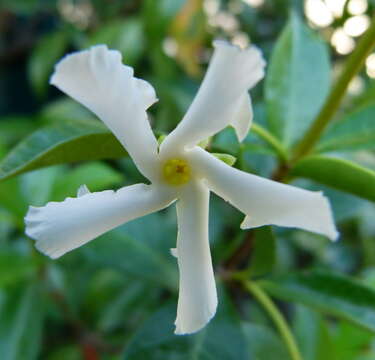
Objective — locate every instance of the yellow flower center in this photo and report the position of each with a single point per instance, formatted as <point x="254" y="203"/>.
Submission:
<point x="176" y="171"/>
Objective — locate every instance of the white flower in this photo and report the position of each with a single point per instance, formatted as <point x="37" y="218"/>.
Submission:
<point x="178" y="170"/>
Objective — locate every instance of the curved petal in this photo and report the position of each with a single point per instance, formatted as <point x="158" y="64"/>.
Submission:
<point x="98" y="79"/>
<point x="244" y="117"/>
<point x="197" y="299"/>
<point x="60" y="227"/>
<point x="264" y="201"/>
<point x="231" y="73"/>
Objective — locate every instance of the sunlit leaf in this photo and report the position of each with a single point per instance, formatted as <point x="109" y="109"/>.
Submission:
<point x="297" y="81"/>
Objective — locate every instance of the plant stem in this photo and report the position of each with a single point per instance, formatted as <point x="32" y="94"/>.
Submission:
<point x="276" y="316"/>
<point x="271" y="140"/>
<point x="352" y="66"/>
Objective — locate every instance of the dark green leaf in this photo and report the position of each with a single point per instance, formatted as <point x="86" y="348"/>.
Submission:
<point x="264" y="344"/>
<point x="312" y="334"/>
<point x="62" y="143"/>
<point x="222" y="339"/>
<point x="21" y="324"/>
<point x="140" y="248"/>
<point x="264" y="255"/>
<point x="49" y="49"/>
<point x="331" y="293"/>
<point x="339" y="174"/>
<point x="297" y="81"/>
<point x="355" y="132"/>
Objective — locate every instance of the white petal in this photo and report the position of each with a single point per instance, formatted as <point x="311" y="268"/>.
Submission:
<point x="60" y="227"/>
<point x="265" y="201"/>
<point x="98" y="79"/>
<point x="197" y="300"/>
<point x="244" y="117"/>
<point x="231" y="73"/>
<point x="83" y="190"/>
<point x="174" y="252"/>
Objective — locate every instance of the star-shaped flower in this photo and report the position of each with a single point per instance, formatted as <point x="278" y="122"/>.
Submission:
<point x="178" y="170"/>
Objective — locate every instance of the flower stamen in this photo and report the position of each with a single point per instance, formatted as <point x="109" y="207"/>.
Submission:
<point x="176" y="172"/>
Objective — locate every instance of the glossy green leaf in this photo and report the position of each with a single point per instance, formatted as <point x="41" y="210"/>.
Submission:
<point x="355" y="132"/>
<point x="339" y="174"/>
<point x="61" y="143"/>
<point x="263" y="256"/>
<point x="21" y="316"/>
<point x="297" y="81"/>
<point x="47" y="52"/>
<point x="330" y="293"/>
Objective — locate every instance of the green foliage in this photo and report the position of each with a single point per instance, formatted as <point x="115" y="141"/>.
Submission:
<point x="297" y="82"/>
<point x="21" y="323"/>
<point x="221" y="339"/>
<point x="125" y="36"/>
<point x="49" y="49"/>
<point x="331" y="293"/>
<point x="355" y="132"/>
<point x="62" y="143"/>
<point x="115" y="298"/>
<point x="341" y="174"/>
<point x="264" y="255"/>
<point x="313" y="335"/>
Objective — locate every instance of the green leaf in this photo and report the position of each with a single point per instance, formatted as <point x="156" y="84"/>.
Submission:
<point x="12" y="199"/>
<point x="21" y="324"/>
<point x="313" y="336"/>
<point x="350" y="341"/>
<point x="264" y="255"/>
<point x="264" y="344"/>
<point x="96" y="176"/>
<point x="13" y="128"/>
<point x="339" y="174"/>
<point x="297" y="81"/>
<point x="49" y="49"/>
<point x="221" y="339"/>
<point x="355" y="132"/>
<point x="330" y="293"/>
<point x="61" y="143"/>
<point x="126" y="36"/>
<point x="14" y="267"/>
<point x="146" y="246"/>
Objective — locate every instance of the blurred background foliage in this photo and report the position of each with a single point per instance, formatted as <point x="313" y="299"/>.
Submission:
<point x="115" y="298"/>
